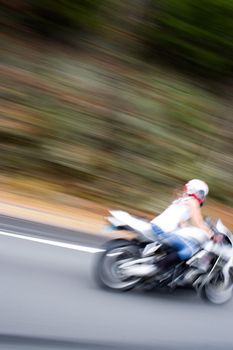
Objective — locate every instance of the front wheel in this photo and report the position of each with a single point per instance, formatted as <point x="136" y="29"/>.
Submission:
<point x="108" y="269"/>
<point x="215" y="290"/>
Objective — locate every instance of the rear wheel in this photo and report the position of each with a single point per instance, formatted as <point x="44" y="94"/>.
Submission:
<point x="109" y="273"/>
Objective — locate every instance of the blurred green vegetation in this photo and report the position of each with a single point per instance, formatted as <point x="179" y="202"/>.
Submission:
<point x="194" y="34"/>
<point x="100" y="122"/>
<point x="54" y="20"/>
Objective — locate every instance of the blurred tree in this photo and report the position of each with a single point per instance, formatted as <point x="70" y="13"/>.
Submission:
<point x="192" y="34"/>
<point x="54" y="19"/>
<point x="106" y="123"/>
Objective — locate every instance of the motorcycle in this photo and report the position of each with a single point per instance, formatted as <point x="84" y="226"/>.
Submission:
<point x="128" y="263"/>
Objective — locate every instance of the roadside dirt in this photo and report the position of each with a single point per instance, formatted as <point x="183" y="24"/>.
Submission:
<point x="79" y="214"/>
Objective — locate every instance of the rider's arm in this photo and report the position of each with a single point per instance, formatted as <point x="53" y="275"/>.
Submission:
<point x="196" y="216"/>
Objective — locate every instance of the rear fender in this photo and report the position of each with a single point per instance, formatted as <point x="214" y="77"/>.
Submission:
<point x="116" y="224"/>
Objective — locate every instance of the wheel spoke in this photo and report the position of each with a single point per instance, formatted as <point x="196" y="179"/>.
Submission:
<point x="111" y="274"/>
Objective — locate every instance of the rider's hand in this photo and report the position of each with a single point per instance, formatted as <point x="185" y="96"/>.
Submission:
<point x="217" y="238"/>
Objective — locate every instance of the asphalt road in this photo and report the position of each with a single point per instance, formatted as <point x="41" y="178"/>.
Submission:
<point x="49" y="300"/>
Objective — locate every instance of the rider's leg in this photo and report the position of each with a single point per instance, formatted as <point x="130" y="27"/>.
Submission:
<point x="183" y="250"/>
<point x="170" y="260"/>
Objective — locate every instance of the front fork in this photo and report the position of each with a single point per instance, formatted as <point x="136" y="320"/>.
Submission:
<point x="227" y="272"/>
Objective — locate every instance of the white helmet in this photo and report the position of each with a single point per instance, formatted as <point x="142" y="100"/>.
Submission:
<point x="197" y="189"/>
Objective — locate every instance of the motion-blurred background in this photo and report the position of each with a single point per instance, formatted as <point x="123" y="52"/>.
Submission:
<point x="117" y="102"/>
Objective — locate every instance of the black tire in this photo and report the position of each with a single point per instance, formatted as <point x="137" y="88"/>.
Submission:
<point x="214" y="290"/>
<point x="106" y="272"/>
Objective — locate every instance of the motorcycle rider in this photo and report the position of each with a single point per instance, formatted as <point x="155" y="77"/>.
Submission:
<point x="171" y="227"/>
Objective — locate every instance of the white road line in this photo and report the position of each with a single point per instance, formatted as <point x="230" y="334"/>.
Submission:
<point x="54" y="243"/>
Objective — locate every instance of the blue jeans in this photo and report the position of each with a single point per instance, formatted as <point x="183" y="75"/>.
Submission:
<point x="185" y="247"/>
